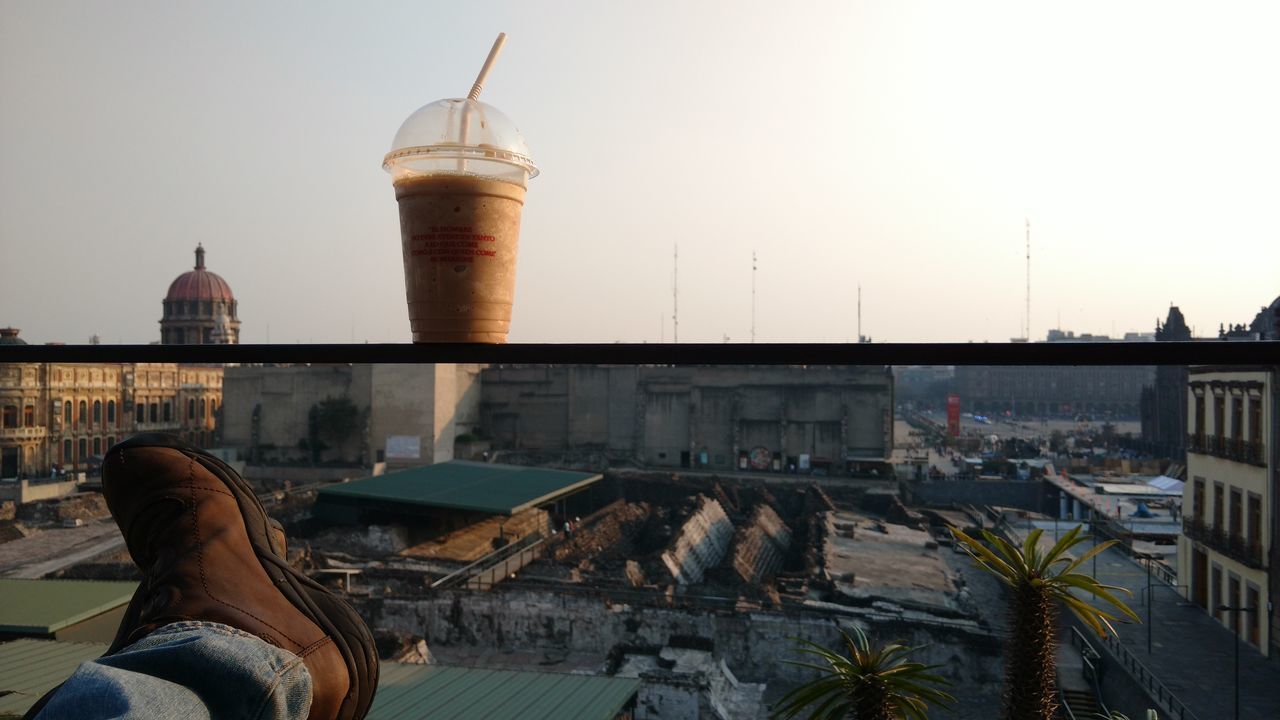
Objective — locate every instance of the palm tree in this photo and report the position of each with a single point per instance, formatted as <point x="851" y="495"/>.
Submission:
<point x="864" y="682"/>
<point x="1038" y="581"/>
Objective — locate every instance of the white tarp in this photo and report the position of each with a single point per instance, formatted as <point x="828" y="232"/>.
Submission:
<point x="1168" y="484"/>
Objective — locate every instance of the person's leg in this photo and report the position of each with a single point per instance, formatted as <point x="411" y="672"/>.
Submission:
<point x="188" y="670"/>
<point x="209" y="553"/>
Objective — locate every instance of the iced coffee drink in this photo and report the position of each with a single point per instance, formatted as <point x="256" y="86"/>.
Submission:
<point x="459" y="168"/>
<point x="459" y="234"/>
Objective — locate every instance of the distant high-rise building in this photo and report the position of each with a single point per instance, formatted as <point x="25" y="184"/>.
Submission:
<point x="199" y="309"/>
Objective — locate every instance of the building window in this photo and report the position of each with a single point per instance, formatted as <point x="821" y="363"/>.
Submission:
<point x="1197" y="500"/>
<point x="97" y="412"/>
<point x="202" y="415"/>
<point x="1255" y="520"/>
<point x="29" y="416"/>
<point x="66" y="452"/>
<point x="1200" y="421"/>
<point x="191" y="408"/>
<point x="1218" y="504"/>
<point x="1233" y="600"/>
<point x="213" y="408"/>
<point x="168" y="410"/>
<point x="97" y="446"/>
<point x="1252" y="600"/>
<point x="1255" y="421"/>
<point x="1237" y="512"/>
<point x="1219" y="416"/>
<point x="1215" y="591"/>
<point x="111" y="411"/>
<point x="154" y="412"/>
<point x="141" y="407"/>
<point x="11" y="416"/>
<point x="84" y="450"/>
<point x="66" y="411"/>
<point x="84" y="413"/>
<point x="111" y="440"/>
<point x="1237" y="418"/>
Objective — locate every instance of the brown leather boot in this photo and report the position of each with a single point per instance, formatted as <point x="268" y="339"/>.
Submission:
<point x="207" y="552"/>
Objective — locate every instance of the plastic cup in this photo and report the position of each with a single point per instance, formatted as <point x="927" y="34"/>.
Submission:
<point x="460" y="169"/>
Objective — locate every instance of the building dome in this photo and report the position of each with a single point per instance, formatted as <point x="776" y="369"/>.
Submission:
<point x="199" y="284"/>
<point x="199" y="309"/>
<point x="9" y="336"/>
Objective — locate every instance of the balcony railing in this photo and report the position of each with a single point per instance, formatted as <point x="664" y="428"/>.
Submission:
<point x="1253" y="454"/>
<point x="1217" y="445"/>
<point x="1196" y="443"/>
<point x="1234" y="449"/>
<point x="22" y="433"/>
<point x="1233" y="546"/>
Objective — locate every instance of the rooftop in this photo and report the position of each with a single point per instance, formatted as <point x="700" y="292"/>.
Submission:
<point x="46" y="606"/>
<point x="444" y="693"/>
<point x="29" y="668"/>
<point x="463" y="485"/>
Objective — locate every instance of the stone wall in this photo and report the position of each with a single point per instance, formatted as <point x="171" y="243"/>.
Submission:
<point x="701" y="544"/>
<point x="752" y="644"/>
<point x="691" y="416"/>
<point x="433" y="402"/>
<point x="26" y="491"/>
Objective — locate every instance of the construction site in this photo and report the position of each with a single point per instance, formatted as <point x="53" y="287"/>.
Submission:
<point x="697" y="585"/>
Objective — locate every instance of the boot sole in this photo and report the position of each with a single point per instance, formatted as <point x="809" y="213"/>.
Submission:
<point x="336" y="618"/>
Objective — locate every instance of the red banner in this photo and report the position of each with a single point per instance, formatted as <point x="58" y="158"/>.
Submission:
<point x="953" y="415"/>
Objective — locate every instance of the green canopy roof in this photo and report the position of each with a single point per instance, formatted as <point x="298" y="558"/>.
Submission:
<point x="29" y="668"/>
<point x="463" y="485"/>
<point x="408" y="692"/>
<point x="46" y="606"/>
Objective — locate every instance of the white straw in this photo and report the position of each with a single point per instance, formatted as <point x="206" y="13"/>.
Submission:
<point x="488" y="65"/>
<point x="474" y="95"/>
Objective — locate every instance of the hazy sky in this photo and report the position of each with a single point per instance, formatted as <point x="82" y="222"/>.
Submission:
<point x="894" y="144"/>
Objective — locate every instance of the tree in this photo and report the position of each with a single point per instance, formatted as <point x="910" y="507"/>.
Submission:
<point x="1037" y="582"/>
<point x="330" y="423"/>
<point x="864" y="682"/>
<point x="337" y="419"/>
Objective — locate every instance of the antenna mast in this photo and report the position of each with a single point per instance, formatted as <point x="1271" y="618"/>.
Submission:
<point x="753" y="296"/>
<point x="859" y="313"/>
<point x="675" y="295"/>
<point x="1028" y="335"/>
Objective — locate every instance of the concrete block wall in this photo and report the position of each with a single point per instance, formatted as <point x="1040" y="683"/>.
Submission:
<point x="760" y="547"/>
<point x="702" y="543"/>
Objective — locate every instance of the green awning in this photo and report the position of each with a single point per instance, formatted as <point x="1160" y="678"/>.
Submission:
<point x="46" y="606"/>
<point x="463" y="485"/>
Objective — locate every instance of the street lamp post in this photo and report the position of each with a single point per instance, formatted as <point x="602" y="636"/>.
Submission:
<point x="1236" y="632"/>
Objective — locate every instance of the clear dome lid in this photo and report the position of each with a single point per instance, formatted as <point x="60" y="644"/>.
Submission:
<point x="459" y="135"/>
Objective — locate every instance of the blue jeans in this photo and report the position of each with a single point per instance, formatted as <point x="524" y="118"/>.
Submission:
<point x="188" y="670"/>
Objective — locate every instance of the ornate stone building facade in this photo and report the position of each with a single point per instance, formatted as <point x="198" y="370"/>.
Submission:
<point x="199" y="309"/>
<point x="62" y="415"/>
<point x="65" y="416"/>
